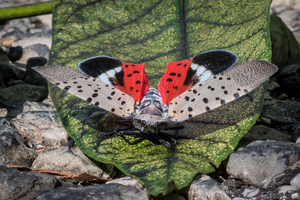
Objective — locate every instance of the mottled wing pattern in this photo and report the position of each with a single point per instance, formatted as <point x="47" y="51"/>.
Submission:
<point x="181" y="76"/>
<point x="127" y="77"/>
<point x="220" y="89"/>
<point x="89" y="89"/>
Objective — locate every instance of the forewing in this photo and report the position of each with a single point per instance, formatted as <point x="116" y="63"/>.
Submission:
<point x="220" y="89"/>
<point x="89" y="89"/>
<point x="181" y="76"/>
<point x="127" y="77"/>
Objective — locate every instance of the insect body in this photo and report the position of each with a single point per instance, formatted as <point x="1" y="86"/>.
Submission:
<point x="188" y="88"/>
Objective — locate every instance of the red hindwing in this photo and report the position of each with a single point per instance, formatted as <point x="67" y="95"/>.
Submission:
<point x="135" y="81"/>
<point x="171" y="83"/>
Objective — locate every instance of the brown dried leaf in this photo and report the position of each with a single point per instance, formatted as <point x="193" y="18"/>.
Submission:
<point x="83" y="176"/>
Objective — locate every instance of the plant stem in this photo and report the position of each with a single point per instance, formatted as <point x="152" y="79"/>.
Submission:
<point x="27" y="10"/>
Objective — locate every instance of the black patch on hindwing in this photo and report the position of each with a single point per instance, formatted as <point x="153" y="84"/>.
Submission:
<point x="97" y="65"/>
<point x="216" y="61"/>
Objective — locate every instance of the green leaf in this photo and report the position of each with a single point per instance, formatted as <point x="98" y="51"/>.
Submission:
<point x="155" y="33"/>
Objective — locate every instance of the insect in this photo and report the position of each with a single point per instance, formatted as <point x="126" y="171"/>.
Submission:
<point x="187" y="88"/>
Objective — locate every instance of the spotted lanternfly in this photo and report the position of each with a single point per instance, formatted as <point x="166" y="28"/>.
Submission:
<point x="187" y="88"/>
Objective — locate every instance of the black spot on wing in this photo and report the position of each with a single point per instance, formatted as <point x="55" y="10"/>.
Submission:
<point x="67" y="88"/>
<point x="98" y="65"/>
<point x="216" y="61"/>
<point x="236" y="95"/>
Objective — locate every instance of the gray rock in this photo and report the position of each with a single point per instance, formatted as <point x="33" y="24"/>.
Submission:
<point x="288" y="71"/>
<point x="289" y="80"/>
<point x="18" y="68"/>
<point x="67" y="158"/>
<point x="18" y="185"/>
<point x="12" y="148"/>
<point x="127" y="181"/>
<point x="14" y="31"/>
<point x="46" y="20"/>
<point x="6" y="75"/>
<point x="287" y="189"/>
<point x="289" y="17"/>
<point x="264" y="163"/>
<point x="170" y="196"/>
<point x="296" y="181"/>
<point x="21" y="24"/>
<point x="3" y="57"/>
<point x="284" y="115"/>
<point x="23" y="92"/>
<point x="3" y="112"/>
<point x="15" y="53"/>
<point x="43" y="37"/>
<point x="207" y="189"/>
<point x="295" y="196"/>
<point x="36" y="22"/>
<point x="39" y="125"/>
<point x="35" y="50"/>
<point x="250" y="193"/>
<point x="273" y="85"/>
<point x="95" y="192"/>
<point x="261" y="132"/>
<point x="31" y="76"/>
